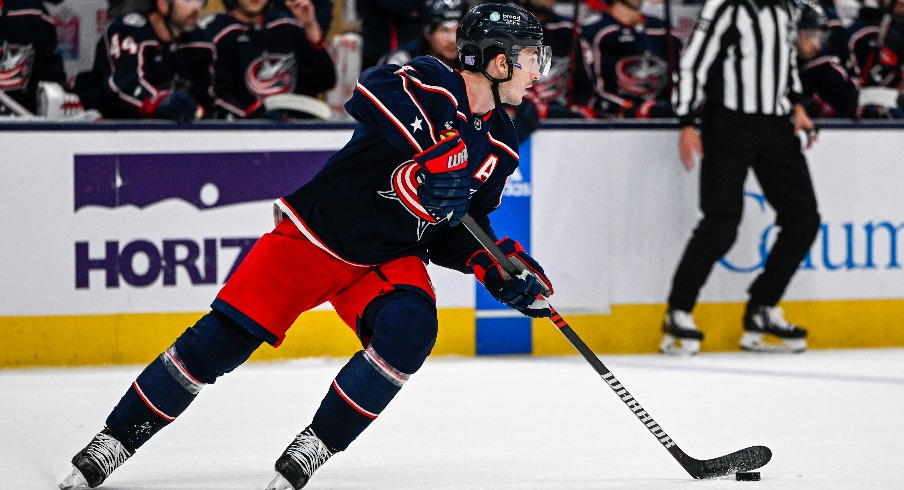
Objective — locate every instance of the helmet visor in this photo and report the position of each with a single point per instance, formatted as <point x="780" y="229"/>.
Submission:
<point x="530" y="61"/>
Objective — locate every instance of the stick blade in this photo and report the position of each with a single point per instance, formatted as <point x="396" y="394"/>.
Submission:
<point x="746" y="459"/>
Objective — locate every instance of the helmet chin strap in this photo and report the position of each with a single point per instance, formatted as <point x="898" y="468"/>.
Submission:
<point x="496" y="81"/>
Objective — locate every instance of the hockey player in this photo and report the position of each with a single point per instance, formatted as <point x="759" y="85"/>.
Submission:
<point x="828" y="90"/>
<point x="430" y="144"/>
<point x="28" y="55"/>
<point x="154" y="65"/>
<point x="260" y="54"/>
<point x="552" y="96"/>
<point x="440" y="20"/>
<point x="873" y="65"/>
<point x="626" y="56"/>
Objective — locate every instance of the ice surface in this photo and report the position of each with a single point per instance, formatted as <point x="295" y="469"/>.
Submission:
<point x="832" y="419"/>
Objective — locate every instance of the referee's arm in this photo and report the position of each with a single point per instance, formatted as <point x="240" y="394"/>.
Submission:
<point x="802" y="121"/>
<point x="703" y="49"/>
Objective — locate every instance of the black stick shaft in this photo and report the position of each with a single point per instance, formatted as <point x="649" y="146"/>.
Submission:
<point x="743" y="460"/>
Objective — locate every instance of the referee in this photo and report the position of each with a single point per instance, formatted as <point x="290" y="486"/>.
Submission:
<point x="739" y="75"/>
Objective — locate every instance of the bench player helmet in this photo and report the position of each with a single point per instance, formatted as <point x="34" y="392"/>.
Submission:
<point x="812" y="17"/>
<point x="491" y="29"/>
<point x="438" y="12"/>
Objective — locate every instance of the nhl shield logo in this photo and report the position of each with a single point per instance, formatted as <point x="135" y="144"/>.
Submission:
<point x="478" y="123"/>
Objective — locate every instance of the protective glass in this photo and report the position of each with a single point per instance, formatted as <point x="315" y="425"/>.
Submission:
<point x="540" y="62"/>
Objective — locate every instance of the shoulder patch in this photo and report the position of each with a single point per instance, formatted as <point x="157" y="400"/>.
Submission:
<point x="134" y="19"/>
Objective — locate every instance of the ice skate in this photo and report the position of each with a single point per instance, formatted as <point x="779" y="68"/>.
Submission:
<point x="93" y="464"/>
<point x="766" y="330"/>
<point x="681" y="336"/>
<point x="299" y="461"/>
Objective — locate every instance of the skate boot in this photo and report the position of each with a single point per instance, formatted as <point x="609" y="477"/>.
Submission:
<point x="766" y="330"/>
<point x="93" y="464"/>
<point x="299" y="461"/>
<point x="681" y="336"/>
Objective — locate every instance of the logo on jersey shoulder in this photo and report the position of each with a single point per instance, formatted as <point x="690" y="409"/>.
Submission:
<point x="15" y="65"/>
<point x="642" y="76"/>
<point x="271" y="74"/>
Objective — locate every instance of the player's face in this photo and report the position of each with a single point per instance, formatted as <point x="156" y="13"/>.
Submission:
<point x="809" y="43"/>
<point x="442" y="41"/>
<point x="185" y="14"/>
<point x="524" y="73"/>
<point x="252" y="7"/>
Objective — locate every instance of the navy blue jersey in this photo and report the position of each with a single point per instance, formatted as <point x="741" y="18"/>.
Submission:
<point x="627" y="65"/>
<point x="132" y="64"/>
<point x="28" y="51"/>
<point x="255" y="61"/>
<point x="553" y="89"/>
<point x="406" y="52"/>
<point x="828" y="90"/>
<point x="883" y="65"/>
<point x="362" y="207"/>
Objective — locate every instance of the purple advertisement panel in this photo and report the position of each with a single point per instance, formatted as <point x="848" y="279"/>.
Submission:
<point x="205" y="180"/>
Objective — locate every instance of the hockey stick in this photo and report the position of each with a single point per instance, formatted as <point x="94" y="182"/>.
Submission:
<point x="747" y="459"/>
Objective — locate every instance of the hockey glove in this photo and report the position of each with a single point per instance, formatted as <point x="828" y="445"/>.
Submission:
<point x="177" y="106"/>
<point x="444" y="183"/>
<point x="525" y="292"/>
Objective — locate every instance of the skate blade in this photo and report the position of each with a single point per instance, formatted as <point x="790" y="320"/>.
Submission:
<point x="279" y="483"/>
<point x="674" y="346"/>
<point x="73" y="481"/>
<point x="758" y="342"/>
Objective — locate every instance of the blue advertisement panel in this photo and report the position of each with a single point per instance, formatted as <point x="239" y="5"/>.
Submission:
<point x="500" y="329"/>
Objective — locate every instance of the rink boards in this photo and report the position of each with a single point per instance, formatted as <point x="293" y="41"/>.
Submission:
<point x="115" y="240"/>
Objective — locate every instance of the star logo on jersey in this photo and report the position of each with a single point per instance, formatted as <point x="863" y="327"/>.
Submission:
<point x="416" y="124"/>
<point x="15" y="65"/>
<point x="271" y="74"/>
<point x="404" y="186"/>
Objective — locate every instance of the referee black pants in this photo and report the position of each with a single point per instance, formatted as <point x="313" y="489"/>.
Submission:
<point x="732" y="143"/>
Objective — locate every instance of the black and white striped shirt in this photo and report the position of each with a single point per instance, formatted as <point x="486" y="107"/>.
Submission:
<point x="742" y="55"/>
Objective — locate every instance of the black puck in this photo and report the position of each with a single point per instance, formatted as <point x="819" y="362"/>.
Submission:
<point x="747" y="476"/>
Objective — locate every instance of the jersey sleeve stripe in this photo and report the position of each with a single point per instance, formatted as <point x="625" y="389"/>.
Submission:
<point x="432" y="88"/>
<point x="502" y="145"/>
<point x="224" y="32"/>
<point x="419" y="108"/>
<point x="391" y="117"/>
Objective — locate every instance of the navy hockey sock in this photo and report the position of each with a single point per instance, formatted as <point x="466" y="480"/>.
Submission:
<point x="404" y="330"/>
<point x="168" y="385"/>
<point x="357" y="396"/>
